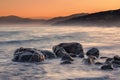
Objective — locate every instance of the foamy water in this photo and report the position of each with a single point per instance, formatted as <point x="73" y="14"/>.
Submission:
<point x="107" y="40"/>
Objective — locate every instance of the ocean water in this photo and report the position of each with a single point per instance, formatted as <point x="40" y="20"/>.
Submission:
<point x="106" y="39"/>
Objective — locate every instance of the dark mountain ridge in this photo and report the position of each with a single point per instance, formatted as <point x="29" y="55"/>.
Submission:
<point x="105" y="18"/>
<point x="63" y="18"/>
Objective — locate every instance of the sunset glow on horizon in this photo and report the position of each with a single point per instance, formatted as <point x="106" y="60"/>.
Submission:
<point x="53" y="8"/>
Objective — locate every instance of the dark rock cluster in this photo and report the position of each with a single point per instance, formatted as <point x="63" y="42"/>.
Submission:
<point x="67" y="52"/>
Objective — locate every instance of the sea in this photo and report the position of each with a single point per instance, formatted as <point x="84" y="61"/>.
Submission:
<point x="106" y="39"/>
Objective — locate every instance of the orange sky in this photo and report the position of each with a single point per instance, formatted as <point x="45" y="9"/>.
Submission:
<point x="52" y="8"/>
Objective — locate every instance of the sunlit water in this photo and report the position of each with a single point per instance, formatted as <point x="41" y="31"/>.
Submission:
<point x="107" y="40"/>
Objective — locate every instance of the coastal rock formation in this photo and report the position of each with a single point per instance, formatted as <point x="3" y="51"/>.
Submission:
<point x="28" y="55"/>
<point x="74" y="48"/>
<point x="93" y="52"/>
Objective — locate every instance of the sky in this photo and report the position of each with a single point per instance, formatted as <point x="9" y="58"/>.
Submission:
<point x="53" y="8"/>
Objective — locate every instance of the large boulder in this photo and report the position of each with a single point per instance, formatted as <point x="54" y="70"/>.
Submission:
<point x="74" y="48"/>
<point x="93" y="52"/>
<point x="28" y="55"/>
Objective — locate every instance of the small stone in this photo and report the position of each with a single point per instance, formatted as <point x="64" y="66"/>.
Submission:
<point x="98" y="63"/>
<point x="66" y="62"/>
<point x="107" y="67"/>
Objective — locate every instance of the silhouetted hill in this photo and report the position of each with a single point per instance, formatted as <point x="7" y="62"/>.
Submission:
<point x="105" y="18"/>
<point x="58" y="19"/>
<point x="15" y="20"/>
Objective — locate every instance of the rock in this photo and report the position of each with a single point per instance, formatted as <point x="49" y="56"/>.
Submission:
<point x="48" y="54"/>
<point x="81" y="55"/>
<point x="67" y="58"/>
<point x="116" y="62"/>
<point x="66" y="62"/>
<point x="93" y="52"/>
<point x="102" y="57"/>
<point x="108" y="60"/>
<point x="116" y="58"/>
<point x="90" y="60"/>
<point x="28" y="55"/>
<point x="75" y="48"/>
<point x="59" y="51"/>
<point x="98" y="63"/>
<point x="73" y="55"/>
<point x="107" y="67"/>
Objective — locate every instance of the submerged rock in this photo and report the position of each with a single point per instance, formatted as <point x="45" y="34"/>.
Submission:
<point x="93" y="52"/>
<point x="67" y="57"/>
<point x="74" y="48"/>
<point x="28" y="55"/>
<point x="107" y="67"/>
<point x="90" y="60"/>
<point x="66" y="62"/>
<point x="98" y="63"/>
<point x="103" y="57"/>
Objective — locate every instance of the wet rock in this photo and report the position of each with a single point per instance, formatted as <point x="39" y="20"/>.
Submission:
<point x="107" y="67"/>
<point x="98" y="63"/>
<point x="48" y="54"/>
<point x="109" y="61"/>
<point x="67" y="58"/>
<point x="28" y="55"/>
<point x="116" y="58"/>
<point x="90" y="60"/>
<point x="93" y="52"/>
<point x="116" y="62"/>
<point x="102" y="57"/>
<point x="73" y="55"/>
<point x="75" y="48"/>
<point x="59" y="51"/>
<point x="81" y="55"/>
<point x="66" y="62"/>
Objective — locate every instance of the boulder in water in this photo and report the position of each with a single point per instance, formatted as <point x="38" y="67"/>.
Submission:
<point x="98" y="63"/>
<point x="93" y="52"/>
<point x="66" y="62"/>
<point x="107" y="67"/>
<point x="116" y="58"/>
<point x="75" y="48"/>
<point x="28" y="55"/>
